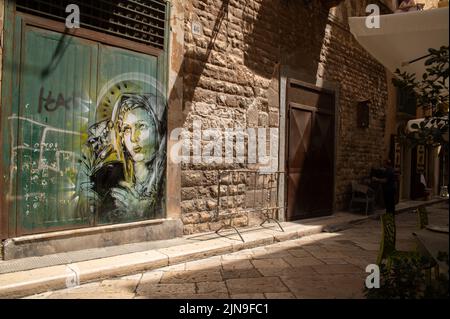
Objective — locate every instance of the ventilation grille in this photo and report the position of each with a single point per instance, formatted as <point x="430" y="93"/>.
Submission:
<point x="138" y="20"/>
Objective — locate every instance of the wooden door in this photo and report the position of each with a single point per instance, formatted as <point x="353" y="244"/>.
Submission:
<point x="311" y="152"/>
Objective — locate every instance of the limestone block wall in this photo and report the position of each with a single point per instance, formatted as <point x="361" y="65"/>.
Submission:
<point x="429" y="4"/>
<point x="2" y="13"/>
<point x="233" y="53"/>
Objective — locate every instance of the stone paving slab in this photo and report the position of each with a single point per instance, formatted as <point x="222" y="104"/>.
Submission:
<point x="194" y="251"/>
<point x="236" y="265"/>
<point x="248" y="296"/>
<point x="293" y="272"/>
<point x="212" y="287"/>
<point x="15" y="285"/>
<point x="152" y="277"/>
<point x="256" y="277"/>
<point x="255" y="285"/>
<point x="245" y="268"/>
<point x="303" y="261"/>
<point x="166" y="289"/>
<point x="281" y="295"/>
<point x="179" y="277"/>
<point x="240" y="273"/>
<point x="270" y="262"/>
<point x="202" y="263"/>
<point x="119" y="266"/>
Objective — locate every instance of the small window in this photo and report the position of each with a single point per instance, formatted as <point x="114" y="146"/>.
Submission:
<point x="363" y="114"/>
<point x="406" y="101"/>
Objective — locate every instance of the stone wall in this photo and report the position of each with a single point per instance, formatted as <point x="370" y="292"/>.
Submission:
<point x="360" y="78"/>
<point x="2" y="14"/>
<point x="430" y="4"/>
<point x="231" y="72"/>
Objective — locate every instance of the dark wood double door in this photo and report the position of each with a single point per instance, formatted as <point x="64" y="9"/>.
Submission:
<point x="310" y="151"/>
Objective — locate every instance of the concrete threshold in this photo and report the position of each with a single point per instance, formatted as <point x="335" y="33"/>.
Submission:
<point x="70" y="271"/>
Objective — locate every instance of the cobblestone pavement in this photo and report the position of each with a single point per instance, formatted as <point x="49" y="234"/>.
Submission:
<point x="326" y="265"/>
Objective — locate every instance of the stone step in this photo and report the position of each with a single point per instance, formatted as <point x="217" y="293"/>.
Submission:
<point x="195" y="247"/>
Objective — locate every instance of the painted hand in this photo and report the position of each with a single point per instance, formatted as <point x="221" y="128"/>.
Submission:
<point x="88" y="197"/>
<point x="128" y="200"/>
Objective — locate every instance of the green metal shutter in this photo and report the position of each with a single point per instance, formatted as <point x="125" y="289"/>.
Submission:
<point x="57" y="97"/>
<point x="63" y="80"/>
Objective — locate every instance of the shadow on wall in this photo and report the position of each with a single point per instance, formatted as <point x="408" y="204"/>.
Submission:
<point x="360" y="78"/>
<point x="44" y="72"/>
<point x="195" y="62"/>
<point x="239" y="52"/>
<point x="285" y="32"/>
<point x="293" y="34"/>
<point x="245" y="42"/>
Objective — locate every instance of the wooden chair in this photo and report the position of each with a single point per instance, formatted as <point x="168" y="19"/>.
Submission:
<point x="388" y="238"/>
<point x="388" y="253"/>
<point x="417" y="7"/>
<point x="420" y="6"/>
<point x="422" y="216"/>
<point x="362" y="194"/>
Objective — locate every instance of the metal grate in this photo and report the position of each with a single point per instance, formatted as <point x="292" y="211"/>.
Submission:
<point x="247" y="191"/>
<point x="143" y="21"/>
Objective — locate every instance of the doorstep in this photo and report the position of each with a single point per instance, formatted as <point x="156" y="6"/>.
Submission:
<point x="36" y="275"/>
<point x="59" y="243"/>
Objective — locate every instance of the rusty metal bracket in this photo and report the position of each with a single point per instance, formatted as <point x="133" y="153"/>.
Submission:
<point x="269" y="219"/>
<point x="230" y="226"/>
<point x="260" y="194"/>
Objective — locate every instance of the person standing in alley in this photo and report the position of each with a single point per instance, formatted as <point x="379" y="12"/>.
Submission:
<point x="389" y="186"/>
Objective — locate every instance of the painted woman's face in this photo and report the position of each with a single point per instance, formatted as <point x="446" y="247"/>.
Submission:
<point x="139" y="134"/>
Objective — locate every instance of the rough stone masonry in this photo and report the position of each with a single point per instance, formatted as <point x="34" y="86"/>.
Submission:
<point x="233" y="53"/>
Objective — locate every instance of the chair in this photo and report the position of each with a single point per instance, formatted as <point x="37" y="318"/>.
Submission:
<point x="417" y="7"/>
<point x="420" y="6"/>
<point x="388" y="253"/>
<point x="362" y="194"/>
<point x="422" y="215"/>
<point x="388" y="238"/>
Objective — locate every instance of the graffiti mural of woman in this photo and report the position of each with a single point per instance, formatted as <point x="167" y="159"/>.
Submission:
<point x="143" y="143"/>
<point x="123" y="164"/>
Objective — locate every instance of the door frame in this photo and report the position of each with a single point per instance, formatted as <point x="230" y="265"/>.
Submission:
<point x="302" y="79"/>
<point x="10" y="85"/>
<point x="88" y="34"/>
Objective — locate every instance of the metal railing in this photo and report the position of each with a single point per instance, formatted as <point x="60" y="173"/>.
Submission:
<point x="246" y="191"/>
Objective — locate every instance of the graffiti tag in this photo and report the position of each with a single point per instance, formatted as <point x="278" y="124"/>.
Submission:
<point x="52" y="104"/>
